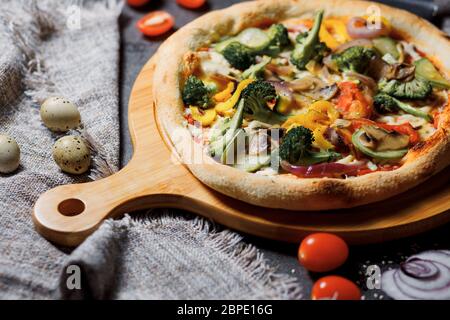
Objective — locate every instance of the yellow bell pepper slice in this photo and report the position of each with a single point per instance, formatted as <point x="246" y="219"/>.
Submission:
<point x="327" y="108"/>
<point x="225" y="94"/>
<point x="224" y="107"/>
<point x="311" y="120"/>
<point x="338" y="30"/>
<point x="318" y="117"/>
<point x="333" y="31"/>
<point x="313" y="67"/>
<point x="326" y="37"/>
<point x="319" y="139"/>
<point x="205" y="117"/>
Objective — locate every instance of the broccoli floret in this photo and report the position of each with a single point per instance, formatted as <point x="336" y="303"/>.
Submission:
<point x="196" y="93"/>
<point x="278" y="35"/>
<point x="356" y="59"/>
<point x="386" y="104"/>
<point x="238" y="55"/>
<point x="308" y="46"/>
<point x="256" y="96"/>
<point x="278" y="38"/>
<point x="256" y="71"/>
<point x="415" y="89"/>
<point x="296" y="145"/>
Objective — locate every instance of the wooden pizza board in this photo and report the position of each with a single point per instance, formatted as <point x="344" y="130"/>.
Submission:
<point x="67" y="214"/>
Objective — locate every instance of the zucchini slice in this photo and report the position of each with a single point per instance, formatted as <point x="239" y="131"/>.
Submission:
<point x="379" y="155"/>
<point x="254" y="38"/>
<point x="386" y="45"/>
<point x="427" y="71"/>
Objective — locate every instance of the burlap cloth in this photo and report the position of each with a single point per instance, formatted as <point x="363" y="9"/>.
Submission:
<point x="46" y="50"/>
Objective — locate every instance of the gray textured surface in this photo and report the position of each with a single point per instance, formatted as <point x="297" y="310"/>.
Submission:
<point x="39" y="57"/>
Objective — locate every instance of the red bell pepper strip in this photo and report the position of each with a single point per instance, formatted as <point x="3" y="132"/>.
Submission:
<point x="404" y="128"/>
<point x="351" y="101"/>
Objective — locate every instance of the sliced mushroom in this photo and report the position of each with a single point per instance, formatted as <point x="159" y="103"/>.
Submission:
<point x="405" y="72"/>
<point x="367" y="141"/>
<point x="342" y="123"/>
<point x="380" y="69"/>
<point x="382" y="140"/>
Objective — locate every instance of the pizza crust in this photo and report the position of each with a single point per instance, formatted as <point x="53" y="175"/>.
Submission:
<point x="282" y="191"/>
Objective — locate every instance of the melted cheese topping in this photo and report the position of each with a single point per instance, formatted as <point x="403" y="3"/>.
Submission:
<point x="212" y="62"/>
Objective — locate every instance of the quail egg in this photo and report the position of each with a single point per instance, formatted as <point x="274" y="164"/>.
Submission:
<point x="9" y="154"/>
<point x="59" y="114"/>
<point x="72" y="155"/>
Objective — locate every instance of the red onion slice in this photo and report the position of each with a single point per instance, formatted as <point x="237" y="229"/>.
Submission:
<point x="419" y="269"/>
<point x="321" y="170"/>
<point x="388" y="284"/>
<point x="440" y="280"/>
<point x="434" y="255"/>
<point x="422" y="276"/>
<point x="436" y="289"/>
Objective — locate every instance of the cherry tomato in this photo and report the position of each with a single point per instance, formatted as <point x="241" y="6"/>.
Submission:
<point x="335" y="287"/>
<point x="191" y="4"/>
<point x="137" y="3"/>
<point x="155" y="23"/>
<point x="322" y="252"/>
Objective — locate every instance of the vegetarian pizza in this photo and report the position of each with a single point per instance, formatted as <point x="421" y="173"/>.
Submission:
<point x="307" y="105"/>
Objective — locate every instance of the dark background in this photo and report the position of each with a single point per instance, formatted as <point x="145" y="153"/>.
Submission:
<point x="137" y="49"/>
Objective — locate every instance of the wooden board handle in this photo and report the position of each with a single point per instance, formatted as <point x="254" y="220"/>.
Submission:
<point x="71" y="212"/>
<point x="68" y="214"/>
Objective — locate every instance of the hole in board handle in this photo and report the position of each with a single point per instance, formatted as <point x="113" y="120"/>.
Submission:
<point x="71" y="207"/>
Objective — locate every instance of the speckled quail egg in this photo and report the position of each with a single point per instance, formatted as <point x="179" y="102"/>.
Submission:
<point x="72" y="155"/>
<point x="9" y="154"/>
<point x="59" y="114"/>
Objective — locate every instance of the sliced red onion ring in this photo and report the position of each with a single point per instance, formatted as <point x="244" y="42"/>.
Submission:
<point x="388" y="284"/>
<point x="357" y="28"/>
<point x="330" y="170"/>
<point x="419" y="269"/>
<point x="428" y="284"/>
<point x="438" y="289"/>
<point x="422" y="276"/>
<point x="441" y="256"/>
